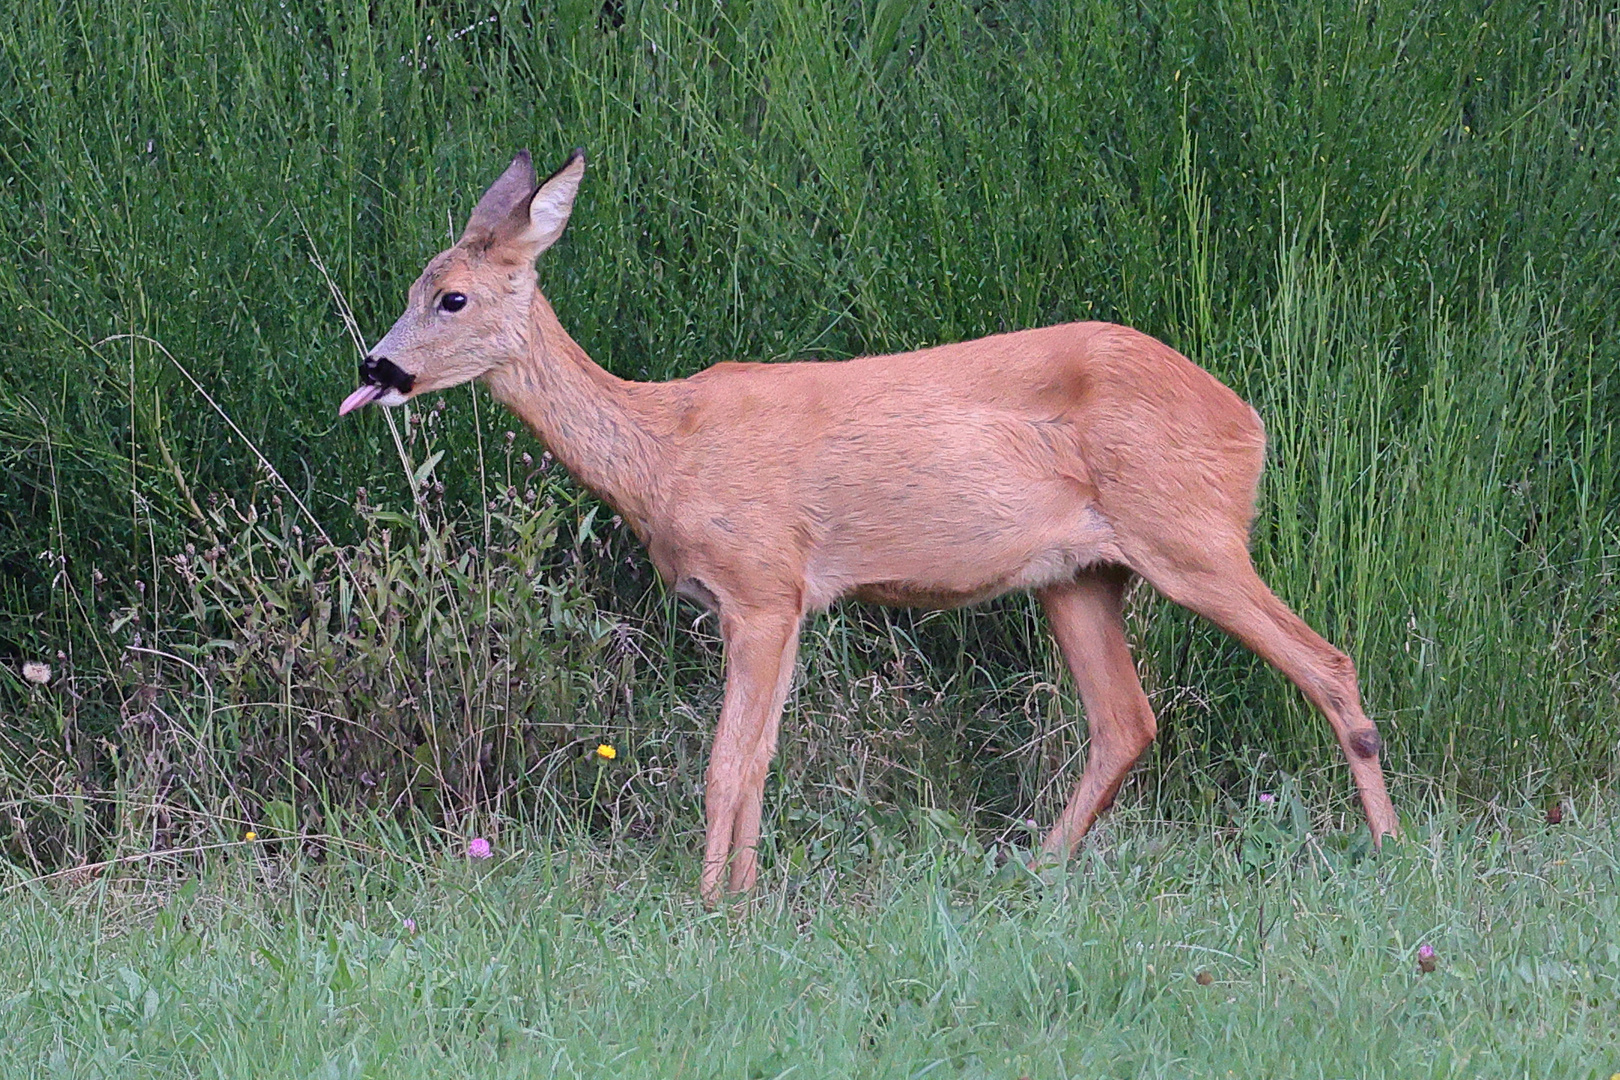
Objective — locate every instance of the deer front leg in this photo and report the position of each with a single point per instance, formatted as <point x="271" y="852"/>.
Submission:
<point x="760" y="650"/>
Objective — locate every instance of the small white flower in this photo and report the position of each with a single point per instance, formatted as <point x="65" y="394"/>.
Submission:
<point x="36" y="672"/>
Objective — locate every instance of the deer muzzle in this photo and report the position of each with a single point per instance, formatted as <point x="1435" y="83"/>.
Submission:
<point x="381" y="380"/>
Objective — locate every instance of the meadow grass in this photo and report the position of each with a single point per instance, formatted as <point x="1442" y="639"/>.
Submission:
<point x="1248" y="950"/>
<point x="1392" y="227"/>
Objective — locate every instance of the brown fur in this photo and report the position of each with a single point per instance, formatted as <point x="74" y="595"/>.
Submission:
<point x="1061" y="460"/>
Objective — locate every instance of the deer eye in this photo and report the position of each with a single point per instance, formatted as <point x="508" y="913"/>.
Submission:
<point x="452" y="301"/>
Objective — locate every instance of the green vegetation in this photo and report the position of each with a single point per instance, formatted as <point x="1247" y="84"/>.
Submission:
<point x="1393" y="227"/>
<point x="1180" y="952"/>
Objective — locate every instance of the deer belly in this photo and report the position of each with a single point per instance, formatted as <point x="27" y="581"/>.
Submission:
<point x="939" y="565"/>
<point x="951" y="512"/>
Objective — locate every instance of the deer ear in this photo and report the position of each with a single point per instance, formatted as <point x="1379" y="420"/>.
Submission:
<point x="551" y="205"/>
<point x="505" y="197"/>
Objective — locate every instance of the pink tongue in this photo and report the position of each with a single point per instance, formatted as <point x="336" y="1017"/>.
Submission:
<point x="363" y="396"/>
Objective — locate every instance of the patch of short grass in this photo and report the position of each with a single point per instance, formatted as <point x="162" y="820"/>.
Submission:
<point x="1167" y="950"/>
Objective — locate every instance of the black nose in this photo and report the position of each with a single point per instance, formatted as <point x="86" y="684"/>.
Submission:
<point x="383" y="372"/>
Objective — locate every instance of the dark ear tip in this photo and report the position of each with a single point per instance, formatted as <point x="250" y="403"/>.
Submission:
<point x="576" y="157"/>
<point x="523" y="156"/>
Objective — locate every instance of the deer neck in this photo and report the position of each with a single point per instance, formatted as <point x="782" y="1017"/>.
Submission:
<point x="595" y="424"/>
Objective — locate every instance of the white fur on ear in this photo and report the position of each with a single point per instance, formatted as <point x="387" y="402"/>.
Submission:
<point x="551" y="205"/>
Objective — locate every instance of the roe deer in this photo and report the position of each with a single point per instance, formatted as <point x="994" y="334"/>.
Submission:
<point x="1062" y="460"/>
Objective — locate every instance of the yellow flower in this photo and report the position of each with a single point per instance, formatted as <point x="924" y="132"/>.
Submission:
<point x="606" y="752"/>
<point x="250" y="835"/>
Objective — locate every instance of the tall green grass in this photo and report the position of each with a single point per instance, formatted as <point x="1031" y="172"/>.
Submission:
<point x="1392" y="227"/>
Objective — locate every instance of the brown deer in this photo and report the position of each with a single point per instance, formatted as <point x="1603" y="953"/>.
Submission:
<point x="1063" y="460"/>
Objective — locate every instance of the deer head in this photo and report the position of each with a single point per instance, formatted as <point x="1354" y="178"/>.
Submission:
<point x="469" y="311"/>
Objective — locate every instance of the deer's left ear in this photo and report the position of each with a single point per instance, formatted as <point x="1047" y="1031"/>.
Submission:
<point x="504" y="199"/>
<point x="551" y="205"/>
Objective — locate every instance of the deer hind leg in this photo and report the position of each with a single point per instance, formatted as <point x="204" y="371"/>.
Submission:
<point x="1224" y="587"/>
<point x="1087" y="619"/>
<point x="760" y="650"/>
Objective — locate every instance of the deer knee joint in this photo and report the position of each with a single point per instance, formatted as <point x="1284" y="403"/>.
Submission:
<point x="1365" y="743"/>
<point x="1146" y="727"/>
